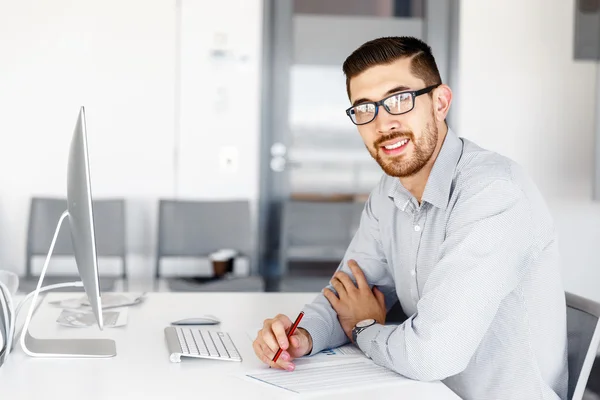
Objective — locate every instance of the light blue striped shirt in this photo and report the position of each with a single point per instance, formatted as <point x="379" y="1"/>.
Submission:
<point x="475" y="266"/>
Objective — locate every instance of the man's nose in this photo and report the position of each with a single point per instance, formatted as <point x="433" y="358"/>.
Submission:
<point x="386" y="123"/>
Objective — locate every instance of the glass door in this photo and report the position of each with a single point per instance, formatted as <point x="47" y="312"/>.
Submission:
<point x="316" y="171"/>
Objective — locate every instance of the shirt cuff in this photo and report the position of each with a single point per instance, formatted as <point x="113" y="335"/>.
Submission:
<point x="314" y="326"/>
<point x="365" y="338"/>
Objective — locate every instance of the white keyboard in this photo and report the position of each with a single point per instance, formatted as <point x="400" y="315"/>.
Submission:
<point x="200" y="343"/>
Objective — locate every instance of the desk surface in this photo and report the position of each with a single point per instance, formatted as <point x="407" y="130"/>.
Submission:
<point x="142" y="370"/>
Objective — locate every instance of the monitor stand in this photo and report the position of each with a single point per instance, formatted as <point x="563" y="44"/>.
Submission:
<point x="65" y="348"/>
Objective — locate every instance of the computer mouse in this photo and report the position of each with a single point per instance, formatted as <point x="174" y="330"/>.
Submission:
<point x="201" y="320"/>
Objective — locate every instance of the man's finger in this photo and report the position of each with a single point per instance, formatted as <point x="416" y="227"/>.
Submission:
<point x="299" y="344"/>
<point x="269" y="339"/>
<point x="285" y="365"/>
<point x="294" y="341"/>
<point x="279" y="331"/>
<point x="331" y="297"/>
<point x="283" y="362"/>
<point x="361" y="280"/>
<point x="346" y="281"/>
<point x="264" y="348"/>
<point x="284" y="319"/>
<point x="338" y="286"/>
<point x="262" y="352"/>
<point x="270" y="363"/>
<point x="267" y="352"/>
<point x="257" y="349"/>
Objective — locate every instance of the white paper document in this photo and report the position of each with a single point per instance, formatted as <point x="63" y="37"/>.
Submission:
<point x="338" y="375"/>
<point x="109" y="300"/>
<point x="83" y="319"/>
<point x="345" y="351"/>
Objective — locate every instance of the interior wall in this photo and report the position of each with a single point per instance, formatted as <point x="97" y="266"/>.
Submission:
<point x="522" y="94"/>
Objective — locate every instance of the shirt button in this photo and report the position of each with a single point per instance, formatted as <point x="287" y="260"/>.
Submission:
<point x="417" y="228"/>
<point x="413" y="272"/>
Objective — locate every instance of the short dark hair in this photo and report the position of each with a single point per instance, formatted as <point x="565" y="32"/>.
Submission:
<point x="386" y="50"/>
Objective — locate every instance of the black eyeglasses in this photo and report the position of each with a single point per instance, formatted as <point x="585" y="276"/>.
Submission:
<point x="396" y="104"/>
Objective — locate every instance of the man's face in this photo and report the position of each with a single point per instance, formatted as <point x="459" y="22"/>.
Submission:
<point x="401" y="144"/>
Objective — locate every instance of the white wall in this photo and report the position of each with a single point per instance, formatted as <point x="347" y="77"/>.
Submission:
<point x="221" y="44"/>
<point x="115" y="60"/>
<point x="521" y="93"/>
<point x="121" y="60"/>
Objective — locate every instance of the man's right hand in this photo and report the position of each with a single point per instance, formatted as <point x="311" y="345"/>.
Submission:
<point x="273" y="335"/>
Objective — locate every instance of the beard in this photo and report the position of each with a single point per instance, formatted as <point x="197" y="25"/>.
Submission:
<point x="403" y="166"/>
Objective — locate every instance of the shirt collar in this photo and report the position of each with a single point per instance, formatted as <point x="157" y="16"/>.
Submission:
<point x="439" y="184"/>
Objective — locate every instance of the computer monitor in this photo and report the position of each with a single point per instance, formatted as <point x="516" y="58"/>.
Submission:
<point x="81" y="216"/>
<point x="81" y="220"/>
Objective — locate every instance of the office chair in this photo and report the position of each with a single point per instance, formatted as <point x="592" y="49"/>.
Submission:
<point x="109" y="221"/>
<point x="195" y="229"/>
<point x="314" y="239"/>
<point x="316" y="230"/>
<point x="583" y="332"/>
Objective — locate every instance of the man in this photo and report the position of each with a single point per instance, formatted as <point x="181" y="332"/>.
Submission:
<point x="459" y="235"/>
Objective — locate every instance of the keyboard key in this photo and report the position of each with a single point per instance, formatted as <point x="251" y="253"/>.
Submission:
<point x="229" y="345"/>
<point x="200" y="342"/>
<point x="220" y="348"/>
<point x="184" y="347"/>
<point x="192" y="349"/>
<point x="212" y="350"/>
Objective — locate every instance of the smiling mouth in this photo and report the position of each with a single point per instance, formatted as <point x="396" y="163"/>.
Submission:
<point x="395" y="147"/>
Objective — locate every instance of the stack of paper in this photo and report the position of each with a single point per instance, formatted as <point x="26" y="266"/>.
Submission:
<point x="344" y="373"/>
<point x="77" y="312"/>
<point x="109" y="300"/>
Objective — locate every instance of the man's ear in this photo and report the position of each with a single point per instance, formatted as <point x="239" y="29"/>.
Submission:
<point x="442" y="98"/>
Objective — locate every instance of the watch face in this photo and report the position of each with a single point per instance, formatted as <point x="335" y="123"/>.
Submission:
<point x="364" y="323"/>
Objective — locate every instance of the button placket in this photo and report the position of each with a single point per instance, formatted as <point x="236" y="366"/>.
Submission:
<point x="419" y="218"/>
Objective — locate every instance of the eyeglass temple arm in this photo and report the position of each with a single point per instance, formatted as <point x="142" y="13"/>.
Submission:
<point x="426" y="90"/>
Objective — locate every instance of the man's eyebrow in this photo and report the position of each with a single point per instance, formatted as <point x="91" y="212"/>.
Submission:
<point x="396" y="89"/>
<point x="400" y="88"/>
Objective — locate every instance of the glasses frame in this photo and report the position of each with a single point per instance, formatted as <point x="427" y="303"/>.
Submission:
<point x="414" y="94"/>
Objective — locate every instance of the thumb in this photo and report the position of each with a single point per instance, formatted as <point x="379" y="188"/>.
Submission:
<point x="298" y="345"/>
<point x="379" y="296"/>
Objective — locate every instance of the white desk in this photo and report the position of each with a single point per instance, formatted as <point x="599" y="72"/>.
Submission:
<point x="142" y="370"/>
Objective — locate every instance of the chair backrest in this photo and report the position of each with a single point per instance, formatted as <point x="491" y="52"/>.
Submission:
<point x="198" y="228"/>
<point x="333" y="219"/>
<point x="583" y="332"/>
<point x="337" y="221"/>
<point x="109" y="227"/>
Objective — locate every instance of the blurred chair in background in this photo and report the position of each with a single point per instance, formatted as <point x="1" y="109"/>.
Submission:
<point x="190" y="231"/>
<point x="583" y="332"/>
<point x="109" y="221"/>
<point x="316" y="234"/>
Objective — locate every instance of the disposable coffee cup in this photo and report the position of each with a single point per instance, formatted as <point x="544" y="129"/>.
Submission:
<point x="222" y="262"/>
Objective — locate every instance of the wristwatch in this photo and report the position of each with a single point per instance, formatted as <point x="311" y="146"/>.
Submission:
<point x="361" y="326"/>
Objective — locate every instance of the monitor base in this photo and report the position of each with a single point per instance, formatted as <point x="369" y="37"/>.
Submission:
<point x="63" y="348"/>
<point x="69" y="348"/>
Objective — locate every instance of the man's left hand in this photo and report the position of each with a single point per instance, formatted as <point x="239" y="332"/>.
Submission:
<point x="355" y="303"/>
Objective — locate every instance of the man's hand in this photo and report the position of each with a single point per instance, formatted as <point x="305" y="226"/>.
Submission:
<point x="273" y="335"/>
<point x="355" y="302"/>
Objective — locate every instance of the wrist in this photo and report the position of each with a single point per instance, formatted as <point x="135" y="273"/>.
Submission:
<point x="306" y="334"/>
<point x="361" y="326"/>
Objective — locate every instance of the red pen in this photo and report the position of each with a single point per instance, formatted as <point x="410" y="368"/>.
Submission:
<point x="289" y="335"/>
